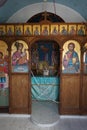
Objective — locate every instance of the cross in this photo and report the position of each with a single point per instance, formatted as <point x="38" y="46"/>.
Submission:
<point x="45" y="15"/>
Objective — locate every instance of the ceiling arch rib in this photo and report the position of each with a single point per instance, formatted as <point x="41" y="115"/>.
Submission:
<point x="66" y="13"/>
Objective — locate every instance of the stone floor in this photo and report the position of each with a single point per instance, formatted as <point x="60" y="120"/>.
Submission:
<point x="44" y="117"/>
<point x="45" y="113"/>
<point x="13" y="122"/>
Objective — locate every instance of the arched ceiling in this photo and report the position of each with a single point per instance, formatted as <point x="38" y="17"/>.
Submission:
<point x="21" y="10"/>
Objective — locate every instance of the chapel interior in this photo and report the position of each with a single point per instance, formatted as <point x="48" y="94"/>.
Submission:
<point x="43" y="57"/>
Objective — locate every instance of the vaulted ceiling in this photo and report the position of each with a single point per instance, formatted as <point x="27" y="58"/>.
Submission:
<point x="22" y="10"/>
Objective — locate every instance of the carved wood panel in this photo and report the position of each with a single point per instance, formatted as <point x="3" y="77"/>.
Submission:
<point x="69" y="94"/>
<point x="19" y="93"/>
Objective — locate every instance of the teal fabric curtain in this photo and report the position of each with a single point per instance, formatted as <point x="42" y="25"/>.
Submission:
<point x="45" y="88"/>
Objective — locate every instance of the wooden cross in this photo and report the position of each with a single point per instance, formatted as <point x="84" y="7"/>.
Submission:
<point x="45" y="15"/>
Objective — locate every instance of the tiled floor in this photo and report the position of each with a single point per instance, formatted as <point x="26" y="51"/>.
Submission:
<point x="42" y="120"/>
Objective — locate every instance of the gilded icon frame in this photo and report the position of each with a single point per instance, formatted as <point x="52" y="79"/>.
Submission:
<point x="83" y="28"/>
<point x="27" y="29"/>
<point x="18" y="29"/>
<point x="36" y="29"/>
<point x="63" y="26"/>
<point x="22" y="66"/>
<point x="72" y="29"/>
<point x="2" y="30"/>
<point x="43" y="27"/>
<point x="10" y="30"/>
<point x="76" y="52"/>
<point x="52" y="29"/>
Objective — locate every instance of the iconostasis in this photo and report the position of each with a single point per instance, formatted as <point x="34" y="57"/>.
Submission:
<point x="52" y="51"/>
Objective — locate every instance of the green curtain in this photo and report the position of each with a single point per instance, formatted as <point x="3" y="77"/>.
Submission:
<point x="45" y="88"/>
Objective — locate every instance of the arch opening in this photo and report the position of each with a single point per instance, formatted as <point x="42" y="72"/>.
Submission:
<point x="50" y="17"/>
<point x="45" y="81"/>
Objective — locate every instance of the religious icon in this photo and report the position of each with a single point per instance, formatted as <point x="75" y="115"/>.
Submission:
<point x="20" y="57"/>
<point x="27" y="30"/>
<point x="72" y="29"/>
<point x="85" y="58"/>
<point x="63" y="29"/>
<point x="71" y="61"/>
<point x="18" y="30"/>
<point x="3" y="57"/>
<point x="45" y="30"/>
<point x="36" y="29"/>
<point x="10" y="30"/>
<point x="81" y="30"/>
<point x="4" y="77"/>
<point x="54" y="29"/>
<point x="2" y="30"/>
